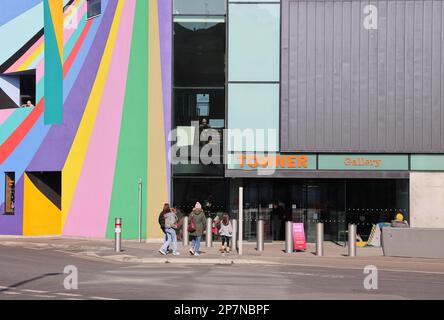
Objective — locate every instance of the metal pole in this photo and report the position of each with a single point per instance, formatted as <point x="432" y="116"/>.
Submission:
<point x="289" y="237"/>
<point x="185" y="236"/>
<point x="118" y="235"/>
<point x="209" y="232"/>
<point x="241" y="213"/>
<point x="260" y="235"/>
<point x="319" y="239"/>
<point x="234" y="235"/>
<point x="352" y="240"/>
<point x="140" y="210"/>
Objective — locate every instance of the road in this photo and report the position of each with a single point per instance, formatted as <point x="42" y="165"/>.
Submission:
<point x="39" y="274"/>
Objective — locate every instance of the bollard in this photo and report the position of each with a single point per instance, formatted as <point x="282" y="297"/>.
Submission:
<point x="289" y="237"/>
<point x="209" y="232"/>
<point x="234" y="235"/>
<point x="319" y="239"/>
<point x="185" y="235"/>
<point x="118" y="235"/>
<point x="352" y="240"/>
<point x="140" y="210"/>
<point x="260" y="235"/>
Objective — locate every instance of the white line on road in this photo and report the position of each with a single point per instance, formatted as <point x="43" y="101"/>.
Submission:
<point x="68" y="294"/>
<point x="102" y="298"/>
<point x="33" y="291"/>
<point x="42" y="296"/>
<point x="11" y="292"/>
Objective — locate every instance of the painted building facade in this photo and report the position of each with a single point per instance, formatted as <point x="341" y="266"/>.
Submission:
<point x="102" y="97"/>
<point x="341" y="99"/>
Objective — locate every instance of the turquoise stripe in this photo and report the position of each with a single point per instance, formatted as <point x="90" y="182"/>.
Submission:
<point x="69" y="45"/>
<point x="12" y="123"/>
<point x="53" y="73"/>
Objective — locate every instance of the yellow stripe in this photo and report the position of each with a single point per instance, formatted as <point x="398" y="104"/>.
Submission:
<point x="76" y="156"/>
<point x="31" y="58"/>
<point x="56" y="8"/>
<point x="157" y="189"/>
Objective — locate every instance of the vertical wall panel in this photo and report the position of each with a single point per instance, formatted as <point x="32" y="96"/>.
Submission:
<point x="352" y="89"/>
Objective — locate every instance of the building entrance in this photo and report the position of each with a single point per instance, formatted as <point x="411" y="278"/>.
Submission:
<point x="335" y="202"/>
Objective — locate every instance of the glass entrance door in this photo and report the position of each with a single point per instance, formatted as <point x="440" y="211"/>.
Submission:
<point x="299" y="200"/>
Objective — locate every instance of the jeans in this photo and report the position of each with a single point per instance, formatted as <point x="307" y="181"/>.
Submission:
<point x="227" y="239"/>
<point x="171" y="237"/>
<point x="195" y="243"/>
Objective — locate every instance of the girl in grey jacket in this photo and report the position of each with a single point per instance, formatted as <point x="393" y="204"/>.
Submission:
<point x="226" y="232"/>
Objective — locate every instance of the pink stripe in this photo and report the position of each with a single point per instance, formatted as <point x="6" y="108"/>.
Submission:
<point x="67" y="32"/>
<point x="40" y="70"/>
<point x="4" y="114"/>
<point x="23" y="58"/>
<point x="88" y="215"/>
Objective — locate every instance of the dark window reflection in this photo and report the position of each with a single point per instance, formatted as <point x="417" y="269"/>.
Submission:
<point x="199" y="52"/>
<point x="210" y="193"/>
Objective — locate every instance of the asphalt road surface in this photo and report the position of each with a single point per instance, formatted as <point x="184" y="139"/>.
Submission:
<point x="39" y="274"/>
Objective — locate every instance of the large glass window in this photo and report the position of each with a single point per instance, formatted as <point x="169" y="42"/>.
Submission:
<point x="9" y="192"/>
<point x="203" y="7"/>
<point x="94" y="8"/>
<point x="254" y="42"/>
<point x="253" y="107"/>
<point x="199" y="51"/>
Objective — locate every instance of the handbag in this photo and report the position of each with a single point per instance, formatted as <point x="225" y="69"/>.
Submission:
<point x="192" y="225"/>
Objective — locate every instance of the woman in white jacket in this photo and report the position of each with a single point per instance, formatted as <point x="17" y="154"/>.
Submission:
<point x="226" y="232"/>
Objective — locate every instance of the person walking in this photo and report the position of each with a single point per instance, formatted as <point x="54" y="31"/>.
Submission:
<point x="165" y="210"/>
<point x="170" y="231"/>
<point x="226" y="232"/>
<point x="196" y="228"/>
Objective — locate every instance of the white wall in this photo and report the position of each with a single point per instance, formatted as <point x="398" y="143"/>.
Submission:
<point x="427" y="199"/>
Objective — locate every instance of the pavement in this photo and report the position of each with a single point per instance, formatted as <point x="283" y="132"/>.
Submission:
<point x="37" y="271"/>
<point x="147" y="253"/>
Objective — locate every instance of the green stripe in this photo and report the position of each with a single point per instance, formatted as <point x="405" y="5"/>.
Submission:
<point x="132" y="156"/>
<point x="12" y="123"/>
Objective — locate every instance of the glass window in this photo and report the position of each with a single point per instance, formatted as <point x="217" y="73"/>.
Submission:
<point x="199" y="117"/>
<point x="252" y="107"/>
<point x="254" y="42"/>
<point x="211" y="193"/>
<point x="9" y="192"/>
<point x="94" y="8"/>
<point x="199" y="51"/>
<point x="199" y="104"/>
<point x="9" y="91"/>
<point x="199" y="7"/>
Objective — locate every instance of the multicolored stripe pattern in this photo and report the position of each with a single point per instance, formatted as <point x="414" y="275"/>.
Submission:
<point x="102" y="118"/>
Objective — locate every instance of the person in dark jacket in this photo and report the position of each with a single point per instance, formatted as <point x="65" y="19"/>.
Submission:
<point x="197" y="217"/>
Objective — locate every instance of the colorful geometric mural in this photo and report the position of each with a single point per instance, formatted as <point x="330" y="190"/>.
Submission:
<point x="101" y="117"/>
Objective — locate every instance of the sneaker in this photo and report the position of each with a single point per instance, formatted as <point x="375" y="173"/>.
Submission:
<point x="192" y="251"/>
<point x="176" y="253"/>
<point x="196" y="254"/>
<point x="162" y="252"/>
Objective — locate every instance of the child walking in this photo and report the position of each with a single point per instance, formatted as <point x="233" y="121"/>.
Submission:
<point x="226" y="232"/>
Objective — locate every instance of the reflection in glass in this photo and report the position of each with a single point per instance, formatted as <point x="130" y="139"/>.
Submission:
<point x="199" y="51"/>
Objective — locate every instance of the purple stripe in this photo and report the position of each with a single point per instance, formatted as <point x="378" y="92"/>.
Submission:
<point x="13" y="224"/>
<point x="165" y="34"/>
<point x="55" y="148"/>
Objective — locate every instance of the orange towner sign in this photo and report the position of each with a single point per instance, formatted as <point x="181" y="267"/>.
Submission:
<point x="274" y="161"/>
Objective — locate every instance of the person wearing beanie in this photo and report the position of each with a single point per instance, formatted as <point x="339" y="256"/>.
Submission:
<point x="197" y="224"/>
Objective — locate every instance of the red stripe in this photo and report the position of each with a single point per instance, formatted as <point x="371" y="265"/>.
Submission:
<point x="17" y="136"/>
<point x="72" y="56"/>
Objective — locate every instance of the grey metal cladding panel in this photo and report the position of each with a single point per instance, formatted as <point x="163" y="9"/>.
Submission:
<point x="348" y="89"/>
